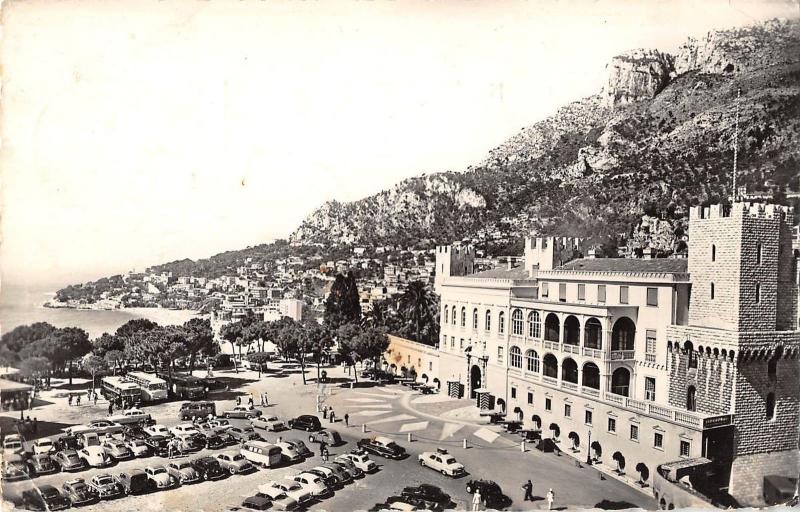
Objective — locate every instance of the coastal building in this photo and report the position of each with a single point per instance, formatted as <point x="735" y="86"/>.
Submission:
<point x="683" y="370"/>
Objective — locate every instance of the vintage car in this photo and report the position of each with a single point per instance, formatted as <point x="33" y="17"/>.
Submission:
<point x="209" y="468"/>
<point x="327" y="475"/>
<point x="211" y="441"/>
<point x="257" y="503"/>
<point x="344" y="476"/>
<point x="442" y="462"/>
<point x="78" y="492"/>
<point x="14" y="468"/>
<point x="160" y="478"/>
<point x="326" y="436"/>
<point x="157" y="430"/>
<point x="244" y="433"/>
<point x="44" y="498"/>
<point x="292" y="489"/>
<point x="106" y="486"/>
<point x="12" y="444"/>
<point x="158" y="445"/>
<point x="383" y="446"/>
<point x="242" y="411"/>
<point x="116" y="449"/>
<point x="94" y="456"/>
<point x="312" y="483"/>
<point x="491" y="493"/>
<point x="301" y="447"/>
<point x="361" y="460"/>
<point x="138" y="447"/>
<point x="288" y="452"/>
<point x="305" y="422"/>
<point x="68" y="460"/>
<point x="269" y="423"/>
<point x="220" y="424"/>
<point x="44" y="445"/>
<point x="43" y="464"/>
<point x="134" y="481"/>
<point x="106" y="427"/>
<point x="184" y="472"/>
<point x="184" y="430"/>
<point x="347" y="465"/>
<point x="234" y="462"/>
<point x="433" y="496"/>
<point x="280" y="500"/>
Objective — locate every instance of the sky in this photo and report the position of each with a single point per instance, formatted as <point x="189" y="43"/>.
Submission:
<point x="139" y="132"/>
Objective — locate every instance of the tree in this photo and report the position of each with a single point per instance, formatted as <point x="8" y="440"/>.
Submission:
<point x="74" y="344"/>
<point x="107" y="342"/>
<point x="232" y="333"/>
<point x="94" y="365"/>
<point x="136" y="325"/>
<point x="172" y="341"/>
<point x="347" y="337"/>
<point x="19" y="337"/>
<point x="113" y="358"/>
<point x="260" y="359"/>
<point x="419" y="312"/>
<point x="371" y="345"/>
<point x="199" y="340"/>
<point x="342" y="305"/>
<point x="319" y="343"/>
<point x="34" y="367"/>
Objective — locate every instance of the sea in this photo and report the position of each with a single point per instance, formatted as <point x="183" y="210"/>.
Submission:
<point x="20" y="305"/>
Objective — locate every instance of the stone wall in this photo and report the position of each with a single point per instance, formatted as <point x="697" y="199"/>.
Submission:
<point x="713" y="380"/>
<point x="423" y="358"/>
<point x="748" y="472"/>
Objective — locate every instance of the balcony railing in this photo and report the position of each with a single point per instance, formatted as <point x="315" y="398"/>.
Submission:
<point x="593" y="352"/>
<point x="618" y="355"/>
<point x="550" y="380"/>
<point x="617" y="399"/>
<point x="636" y="405"/>
<point x="551" y="345"/>
<point x="590" y="391"/>
<point x="572" y="349"/>
<point x="650" y="358"/>
<point x="657" y="410"/>
<point x="569" y="385"/>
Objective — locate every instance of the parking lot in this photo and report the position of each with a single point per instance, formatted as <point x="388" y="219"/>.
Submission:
<point x="500" y="460"/>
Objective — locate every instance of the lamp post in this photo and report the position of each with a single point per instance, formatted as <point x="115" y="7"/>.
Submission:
<point x="589" y="450"/>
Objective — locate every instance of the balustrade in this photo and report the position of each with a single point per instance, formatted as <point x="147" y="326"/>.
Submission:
<point x="617" y="399"/>
<point x="590" y="391"/>
<point x="687" y="419"/>
<point x="617" y="355"/>
<point x="550" y="380"/>
<point x="569" y="385"/>
<point x="572" y="349"/>
<point x="657" y="410"/>
<point x="635" y="405"/>
<point x="593" y="352"/>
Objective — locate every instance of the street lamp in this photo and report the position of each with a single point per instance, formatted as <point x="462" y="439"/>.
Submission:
<point x="589" y="449"/>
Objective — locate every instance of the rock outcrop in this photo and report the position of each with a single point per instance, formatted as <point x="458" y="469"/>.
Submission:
<point x="636" y="75"/>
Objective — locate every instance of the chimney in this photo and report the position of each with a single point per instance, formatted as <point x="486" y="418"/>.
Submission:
<point x="591" y="253"/>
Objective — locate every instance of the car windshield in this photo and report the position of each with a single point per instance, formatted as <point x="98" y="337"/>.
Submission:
<point x="45" y="443"/>
<point x="137" y="442"/>
<point x="238" y="457"/>
<point x="158" y="471"/>
<point x="50" y="492"/>
<point x="78" y="486"/>
<point x="392" y="445"/>
<point x="184" y="465"/>
<point x="449" y="460"/>
<point x="104" y="480"/>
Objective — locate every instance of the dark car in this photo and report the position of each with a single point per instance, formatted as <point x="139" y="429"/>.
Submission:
<point x="305" y="422"/>
<point x="45" y="498"/>
<point x="14" y="468"/>
<point x="68" y="460"/>
<point x="134" y="481"/>
<point x="328" y="436"/>
<point x="67" y="442"/>
<point x="212" y="441"/>
<point x="329" y="479"/>
<point x="258" y="502"/>
<point x="382" y="446"/>
<point x="158" y="445"/>
<point x="134" y="431"/>
<point x="209" y="468"/>
<point x="79" y="493"/>
<point x="491" y="493"/>
<point x="431" y="494"/>
<point x="398" y="503"/>
<point x="43" y="464"/>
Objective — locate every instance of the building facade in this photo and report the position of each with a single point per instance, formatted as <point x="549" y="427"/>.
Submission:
<point x="637" y="363"/>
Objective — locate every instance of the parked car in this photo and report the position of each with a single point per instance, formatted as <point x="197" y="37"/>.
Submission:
<point x="94" y="456"/>
<point x="67" y="442"/>
<point x="43" y="464"/>
<point x="242" y="411"/>
<point x="305" y="422"/>
<point x="328" y="436"/>
<point x="184" y="472"/>
<point x="43" y="445"/>
<point x="269" y="423"/>
<point x="328" y="476"/>
<point x="158" y="445"/>
<point x="347" y="465"/>
<point x="68" y="460"/>
<point x="342" y="474"/>
<point x="257" y="503"/>
<point x="106" y="427"/>
<point x="280" y="500"/>
<point x="14" y="468"/>
<point x="383" y="446"/>
<point x="116" y="449"/>
<point x="134" y="431"/>
<point x="211" y="441"/>
<point x="220" y="423"/>
<point x="160" y="478"/>
<point x="13" y="444"/>
<point x="301" y="447"/>
<point x="491" y="493"/>
<point x="361" y="460"/>
<point x="184" y="430"/>
<point x="395" y="503"/>
<point x="44" y="498"/>
<point x="313" y="483"/>
<point x="433" y="496"/>
<point x="289" y="453"/>
<point x="244" y="433"/>
<point x="138" y="447"/>
<point x="105" y="486"/>
<point x="188" y="444"/>
<point x="209" y="468"/>
<point x="78" y="492"/>
<point x="157" y="430"/>
<point x="134" y="481"/>
<point x="441" y="461"/>
<point x="88" y="439"/>
<point x="234" y="462"/>
<point x="292" y="489"/>
<point x="131" y="416"/>
<point x="191" y="410"/>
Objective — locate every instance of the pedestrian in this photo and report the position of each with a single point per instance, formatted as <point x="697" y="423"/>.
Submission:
<point x="325" y="454"/>
<point x="476" y="501"/>
<point x="250" y="401"/>
<point x="35" y="424"/>
<point x="210" y="417"/>
<point x="170" y="448"/>
<point x="238" y="400"/>
<point x="346" y="420"/>
<point x="551" y="496"/>
<point x="78" y="400"/>
<point x="333" y="416"/>
<point x="89" y="394"/>
<point x="280" y="439"/>
<point x="265" y="399"/>
<point x="95" y="399"/>
<point x="110" y="408"/>
<point x="69" y="399"/>
<point x="528" y="486"/>
<point x="325" y="412"/>
<point x="322" y="448"/>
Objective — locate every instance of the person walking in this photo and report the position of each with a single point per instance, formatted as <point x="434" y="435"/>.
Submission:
<point x="346" y="420"/>
<point x="78" y="400"/>
<point x="551" y="496"/>
<point x="325" y="412"/>
<point x="476" y="501"/>
<point x="238" y="400"/>
<point x="69" y="399"/>
<point x="250" y="401"/>
<point x="325" y="454"/>
<point x="110" y="408"/>
<point x="528" y="486"/>
<point x="35" y="425"/>
<point x="333" y="416"/>
<point x="95" y="399"/>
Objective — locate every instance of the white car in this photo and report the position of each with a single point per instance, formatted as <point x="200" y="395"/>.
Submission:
<point x="138" y="447"/>
<point x="361" y="461"/>
<point x="43" y="445"/>
<point x="441" y="461"/>
<point x="289" y="452"/>
<point x="106" y="427"/>
<point x="313" y="484"/>
<point x="184" y="430"/>
<point x="292" y="489"/>
<point x="160" y="477"/>
<point x="157" y="430"/>
<point x="220" y="424"/>
<point x="12" y="444"/>
<point x="280" y="500"/>
<point x="270" y="423"/>
<point x="95" y="456"/>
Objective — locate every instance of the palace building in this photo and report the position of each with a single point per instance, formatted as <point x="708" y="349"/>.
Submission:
<point x="683" y="371"/>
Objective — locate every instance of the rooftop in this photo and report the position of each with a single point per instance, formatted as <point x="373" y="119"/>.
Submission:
<point x="9" y="385"/>
<point x="516" y="273"/>
<point x="662" y="265"/>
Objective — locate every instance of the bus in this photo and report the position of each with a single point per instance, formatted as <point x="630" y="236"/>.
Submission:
<point x="153" y="387"/>
<point x="187" y="387"/>
<point x="113" y="388"/>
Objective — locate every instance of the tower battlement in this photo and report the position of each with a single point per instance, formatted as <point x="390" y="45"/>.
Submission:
<point x="742" y="209"/>
<point x="547" y="253"/>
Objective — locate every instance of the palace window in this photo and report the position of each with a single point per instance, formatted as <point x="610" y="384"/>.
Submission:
<point x="658" y="440"/>
<point x="567" y="410"/>
<point x="713" y="252"/>
<point x="581" y="291"/>
<point x="548" y="404"/>
<point x="686" y="448"/>
<point x="534" y="325"/>
<point x="515" y="357"/>
<point x="545" y="289"/>
<point x="601" y="293"/>
<point x="501" y="323"/>
<point x="691" y="399"/>
<point x="650" y="345"/>
<point x="463" y="317"/>
<point x="517" y="326"/>
<point x="488" y="321"/>
<point x="475" y="319"/>
<point x="532" y="361"/>
<point x="612" y="425"/>
<point x="770" y="406"/>
<point x="758" y="254"/>
<point x="712" y="291"/>
<point x="454" y="315"/>
<point x="562" y="292"/>
<point x="623" y="294"/>
<point x="634" y="432"/>
<point x="513" y="392"/>
<point x="499" y="354"/>
<point x="530" y="397"/>
<point x="652" y="296"/>
<point x="587" y="417"/>
<point x="650" y="389"/>
<point x="758" y="292"/>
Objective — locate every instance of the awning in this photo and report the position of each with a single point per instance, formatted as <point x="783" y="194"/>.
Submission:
<point x="674" y="471"/>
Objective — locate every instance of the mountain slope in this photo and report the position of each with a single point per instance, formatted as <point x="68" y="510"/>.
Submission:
<point x="656" y="139"/>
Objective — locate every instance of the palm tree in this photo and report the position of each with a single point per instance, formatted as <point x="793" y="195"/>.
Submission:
<point x="419" y="315"/>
